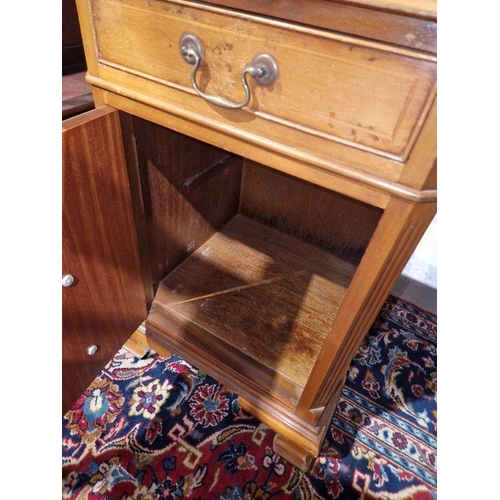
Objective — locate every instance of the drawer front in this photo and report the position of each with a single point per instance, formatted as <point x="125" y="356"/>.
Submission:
<point x="335" y="88"/>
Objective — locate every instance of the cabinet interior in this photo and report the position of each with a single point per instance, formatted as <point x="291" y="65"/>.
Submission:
<point x="249" y="265"/>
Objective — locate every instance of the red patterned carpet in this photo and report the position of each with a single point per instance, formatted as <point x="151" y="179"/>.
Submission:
<point x="159" y="428"/>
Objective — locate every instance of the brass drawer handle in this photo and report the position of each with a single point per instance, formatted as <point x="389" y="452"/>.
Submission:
<point x="263" y="69"/>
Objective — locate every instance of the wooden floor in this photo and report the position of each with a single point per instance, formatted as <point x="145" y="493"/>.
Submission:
<point x="76" y="95"/>
<point x="137" y="344"/>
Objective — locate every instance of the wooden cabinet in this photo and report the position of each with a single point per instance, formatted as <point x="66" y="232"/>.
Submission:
<point x="73" y="57"/>
<point x="272" y="218"/>
<point x="103" y="300"/>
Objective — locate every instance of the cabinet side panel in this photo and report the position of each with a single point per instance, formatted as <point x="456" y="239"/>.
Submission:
<point x="187" y="197"/>
<point x="136" y="189"/>
<point x="105" y="303"/>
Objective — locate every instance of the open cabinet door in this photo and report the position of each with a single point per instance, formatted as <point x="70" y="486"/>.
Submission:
<point x="103" y="296"/>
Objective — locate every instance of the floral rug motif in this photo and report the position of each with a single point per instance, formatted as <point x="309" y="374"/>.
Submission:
<point x="156" y="428"/>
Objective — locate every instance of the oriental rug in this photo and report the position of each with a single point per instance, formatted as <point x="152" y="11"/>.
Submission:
<point x="156" y="428"/>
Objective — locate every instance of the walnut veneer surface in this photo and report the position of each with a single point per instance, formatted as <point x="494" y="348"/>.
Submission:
<point x="106" y="301"/>
<point x="269" y="236"/>
<point x="76" y="95"/>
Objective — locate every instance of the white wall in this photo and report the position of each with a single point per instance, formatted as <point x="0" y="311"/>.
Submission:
<point x="422" y="266"/>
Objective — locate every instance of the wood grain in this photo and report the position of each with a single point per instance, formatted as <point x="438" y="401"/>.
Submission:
<point x="76" y="95"/>
<point x="247" y="267"/>
<point x="137" y="343"/>
<point x="363" y="21"/>
<point x="312" y="167"/>
<point x="99" y="244"/>
<point x="353" y="112"/>
<point x="70" y="27"/>
<point x="317" y="216"/>
<point x="138" y="195"/>
<point x="73" y="57"/>
<point x="374" y="97"/>
<point x="421" y="168"/>
<point x="426" y="9"/>
<point x="180" y="219"/>
<point x="397" y="235"/>
<point x="312" y="11"/>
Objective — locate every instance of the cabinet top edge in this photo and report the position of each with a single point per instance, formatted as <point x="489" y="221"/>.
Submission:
<point x="87" y="116"/>
<point x="425" y="9"/>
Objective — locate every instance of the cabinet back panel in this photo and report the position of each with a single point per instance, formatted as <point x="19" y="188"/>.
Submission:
<point x="317" y="216"/>
<point x="180" y="217"/>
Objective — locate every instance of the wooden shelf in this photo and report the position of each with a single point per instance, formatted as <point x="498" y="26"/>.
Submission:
<point x="252" y="302"/>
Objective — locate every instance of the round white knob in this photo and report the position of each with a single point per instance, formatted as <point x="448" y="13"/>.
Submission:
<point x="92" y="349"/>
<point x="67" y="280"/>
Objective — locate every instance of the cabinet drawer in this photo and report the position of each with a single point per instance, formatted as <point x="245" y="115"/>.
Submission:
<point x="332" y="88"/>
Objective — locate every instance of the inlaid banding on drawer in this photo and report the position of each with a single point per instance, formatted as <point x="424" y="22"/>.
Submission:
<point x="350" y="93"/>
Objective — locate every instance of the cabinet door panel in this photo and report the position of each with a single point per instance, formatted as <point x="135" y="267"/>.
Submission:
<point x="106" y="302"/>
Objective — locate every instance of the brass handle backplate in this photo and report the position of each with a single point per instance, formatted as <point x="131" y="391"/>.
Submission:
<point x="263" y="69"/>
